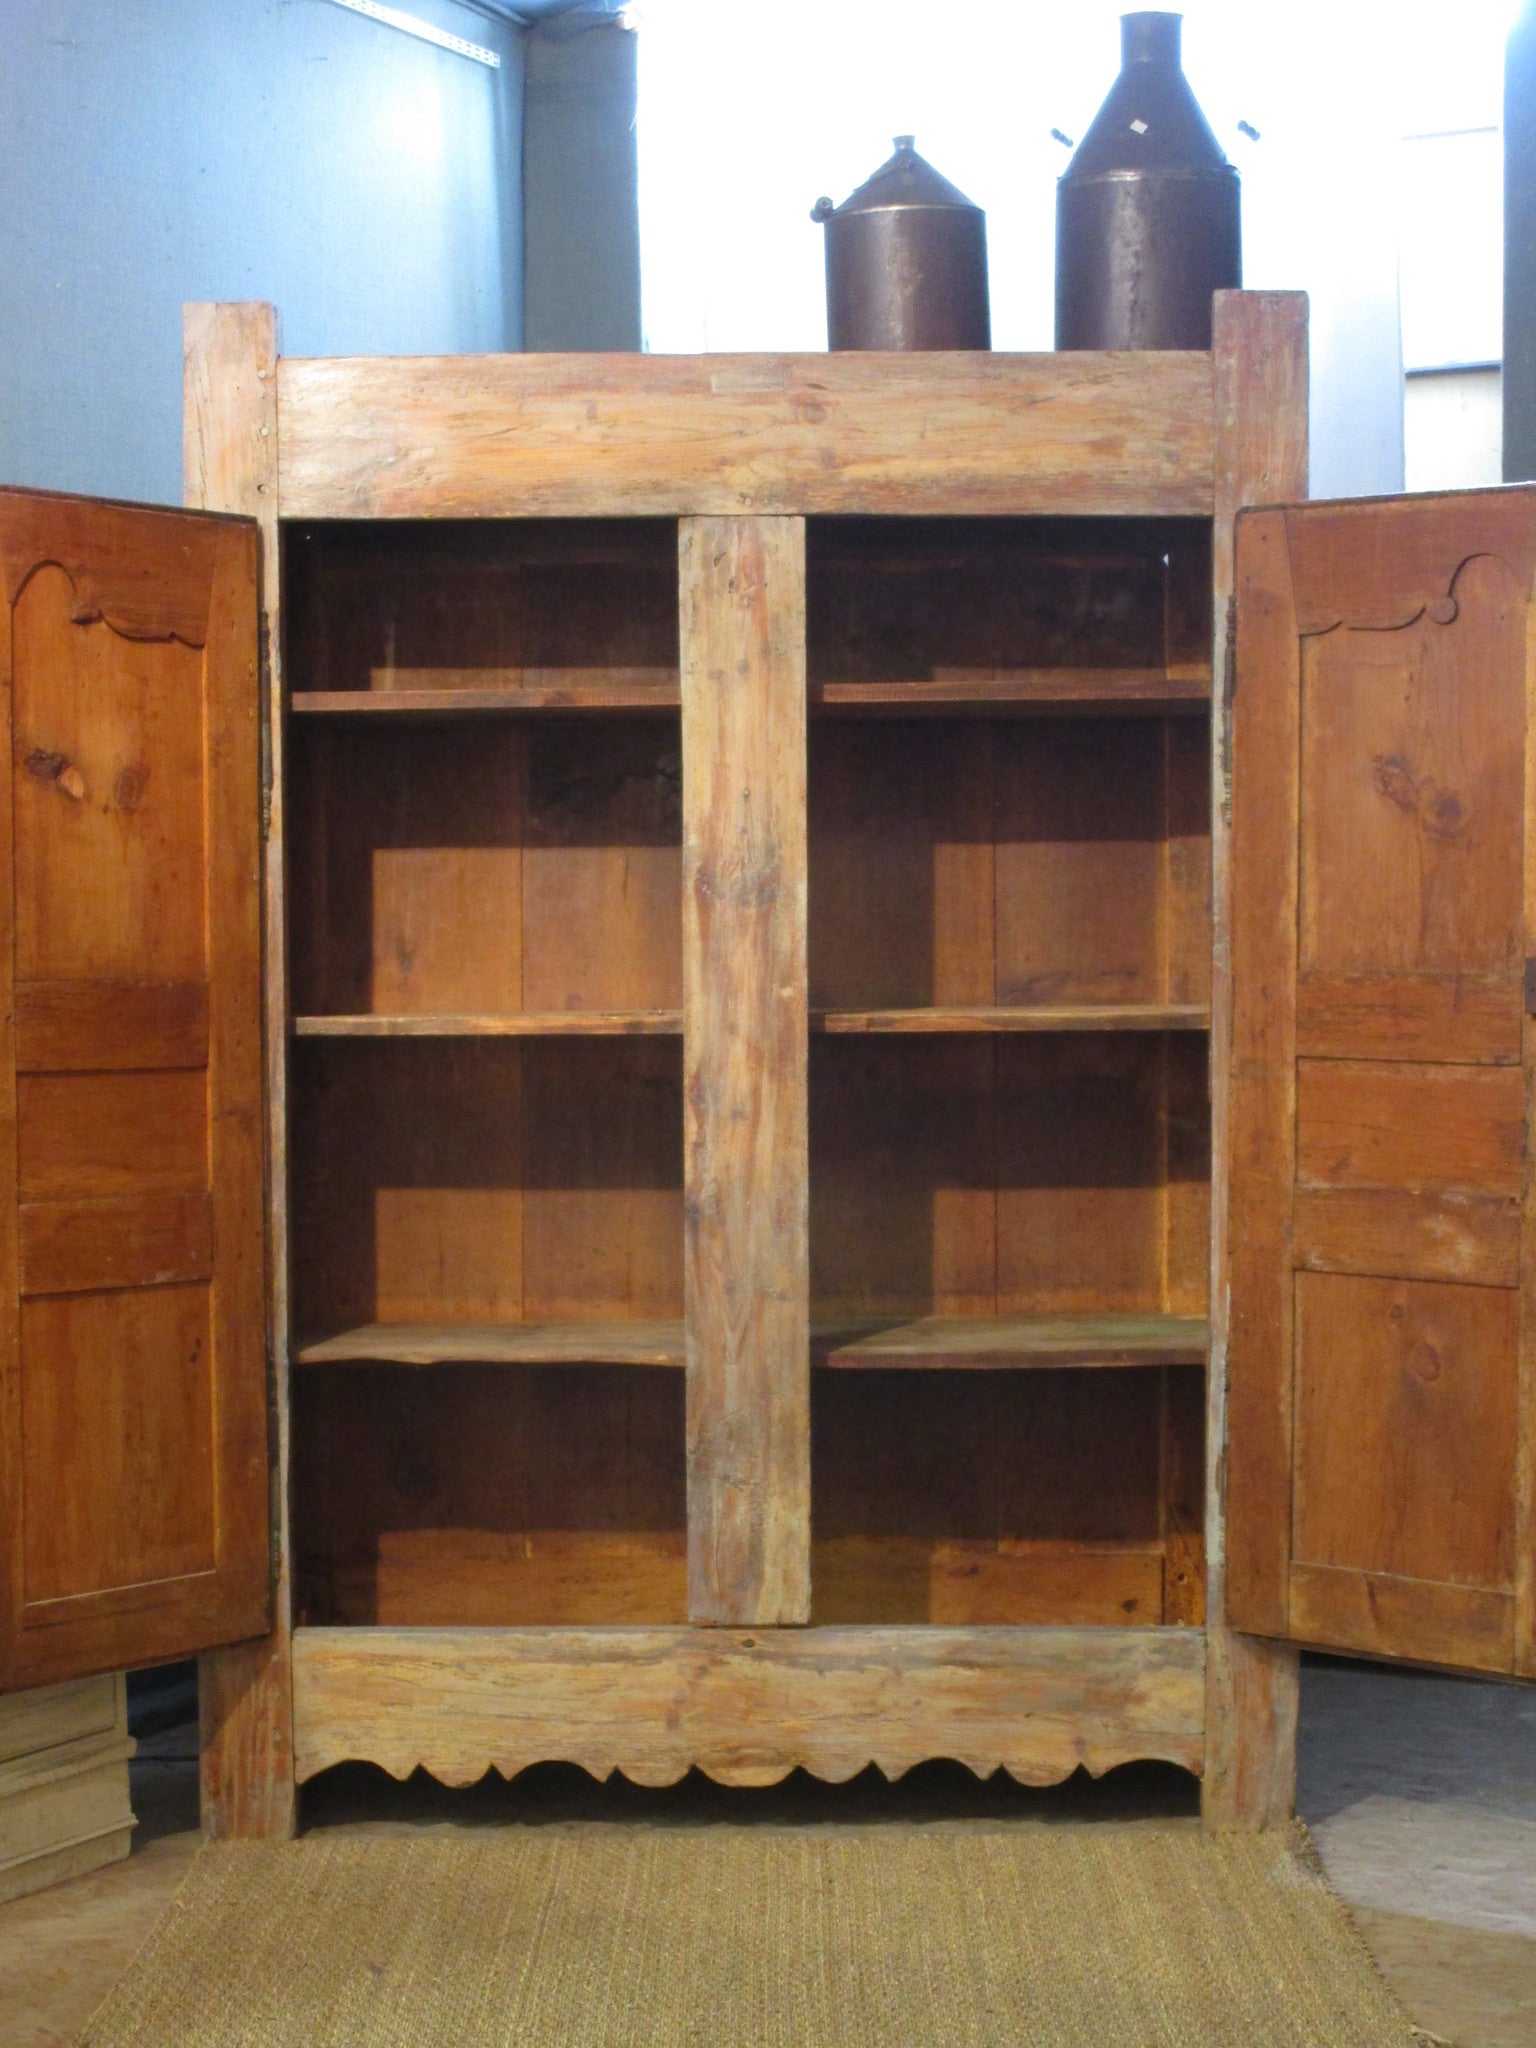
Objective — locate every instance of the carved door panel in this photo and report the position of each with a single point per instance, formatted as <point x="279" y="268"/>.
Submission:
<point x="1382" y="1415"/>
<point x="133" y="1431"/>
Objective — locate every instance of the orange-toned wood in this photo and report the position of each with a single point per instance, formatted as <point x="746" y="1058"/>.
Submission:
<point x="1378" y="1615"/>
<point x="1405" y="1440"/>
<point x="1525" y="1450"/>
<point x="111" y="1133"/>
<point x="1183" y="1496"/>
<point x="511" y="1024"/>
<point x="1430" y="1236"/>
<point x="503" y="871"/>
<point x="1409" y="1016"/>
<point x="922" y="1474"/>
<point x="229" y="463"/>
<point x="1374" y="1124"/>
<point x="576" y="1516"/>
<point x="583" y="690"/>
<point x="742" y="594"/>
<point x="62" y="1026"/>
<point x="482" y="1181"/>
<point x="986" y="1343"/>
<point x="138" y="1359"/>
<point x="135" y="1240"/>
<point x="397" y="618"/>
<point x="748" y="1707"/>
<point x="875" y="1581"/>
<point x="1259" y="377"/>
<point x="599" y="436"/>
<point x="1080" y="862"/>
<point x="650" y="1343"/>
<point x="1151" y="691"/>
<point x="951" y="1017"/>
<point x="98" y="547"/>
<point x="1377" y="1434"/>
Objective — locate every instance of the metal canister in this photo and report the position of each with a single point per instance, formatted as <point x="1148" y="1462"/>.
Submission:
<point x="906" y="261"/>
<point x="1148" y="210"/>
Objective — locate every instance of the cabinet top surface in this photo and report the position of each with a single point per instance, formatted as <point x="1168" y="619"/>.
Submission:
<point x="594" y="435"/>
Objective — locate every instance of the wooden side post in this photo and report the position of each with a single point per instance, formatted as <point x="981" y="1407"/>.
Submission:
<point x="229" y="461"/>
<point x="1260" y="373"/>
<point x="747" y="1258"/>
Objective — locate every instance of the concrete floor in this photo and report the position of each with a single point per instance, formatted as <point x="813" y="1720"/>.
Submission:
<point x="1420" y="1790"/>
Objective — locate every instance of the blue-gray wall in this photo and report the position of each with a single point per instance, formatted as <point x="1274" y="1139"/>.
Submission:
<point x="581" y="210"/>
<point x="153" y="151"/>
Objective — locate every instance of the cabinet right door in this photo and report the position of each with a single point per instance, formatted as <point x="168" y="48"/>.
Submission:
<point x="1381" y="1452"/>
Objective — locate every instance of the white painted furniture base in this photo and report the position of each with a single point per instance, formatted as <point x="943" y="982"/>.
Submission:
<point x="64" y="1805"/>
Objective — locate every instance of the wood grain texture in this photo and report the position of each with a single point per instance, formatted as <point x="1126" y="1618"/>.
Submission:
<point x="1017" y="1017"/>
<point x="1368" y="1124"/>
<point x="652" y="1343"/>
<point x="584" y="435"/>
<point x="1525" y="1452"/>
<point x="1376" y="1463"/>
<point x="138" y="1154"/>
<point x="746" y="1252"/>
<point x="1405" y="1428"/>
<point x="533" y="872"/>
<point x="1418" y="1236"/>
<point x="154" y="592"/>
<point x="983" y="1343"/>
<point x="1249" y="1779"/>
<point x="580" y="690"/>
<point x="549" y="1494"/>
<point x="12" y="1419"/>
<point x="972" y="1494"/>
<point x="1409" y="1016"/>
<point x="948" y="1582"/>
<point x="229" y="463"/>
<point x="1377" y="1614"/>
<point x="747" y="1708"/>
<point x="64" y="1026"/>
<point x="516" y="1024"/>
<point x="933" y="1343"/>
<point x="120" y="1241"/>
<point x="1151" y="690"/>
<point x="1260" y="378"/>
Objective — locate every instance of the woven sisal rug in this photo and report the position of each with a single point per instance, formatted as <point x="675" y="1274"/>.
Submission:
<point x="947" y="1935"/>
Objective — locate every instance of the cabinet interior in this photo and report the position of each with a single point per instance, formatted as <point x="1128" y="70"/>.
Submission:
<point x="1009" y="987"/>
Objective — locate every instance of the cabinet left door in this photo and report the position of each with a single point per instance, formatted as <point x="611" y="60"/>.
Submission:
<point x="134" y="1506"/>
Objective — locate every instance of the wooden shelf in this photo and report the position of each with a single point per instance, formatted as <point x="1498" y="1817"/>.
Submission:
<point x="512" y="1024"/>
<point x="994" y="1343"/>
<point x="1028" y="1017"/>
<point x="654" y="1343"/>
<point x="538" y="690"/>
<point x="1041" y="689"/>
<point x="932" y="1343"/>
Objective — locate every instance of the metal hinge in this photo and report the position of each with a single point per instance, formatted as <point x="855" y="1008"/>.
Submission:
<point x="1530" y="988"/>
<point x="264" y="713"/>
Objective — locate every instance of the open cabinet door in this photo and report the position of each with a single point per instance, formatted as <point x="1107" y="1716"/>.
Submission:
<point x="133" y="1418"/>
<point x="1382" y="1406"/>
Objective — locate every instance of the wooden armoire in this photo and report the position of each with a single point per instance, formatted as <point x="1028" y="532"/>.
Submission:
<point x="760" y="1061"/>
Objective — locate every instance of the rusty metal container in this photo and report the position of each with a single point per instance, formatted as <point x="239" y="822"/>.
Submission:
<point x="906" y="261"/>
<point x="1148" y="210"/>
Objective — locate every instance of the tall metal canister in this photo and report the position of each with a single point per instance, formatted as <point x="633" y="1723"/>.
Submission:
<point x="1148" y="211"/>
